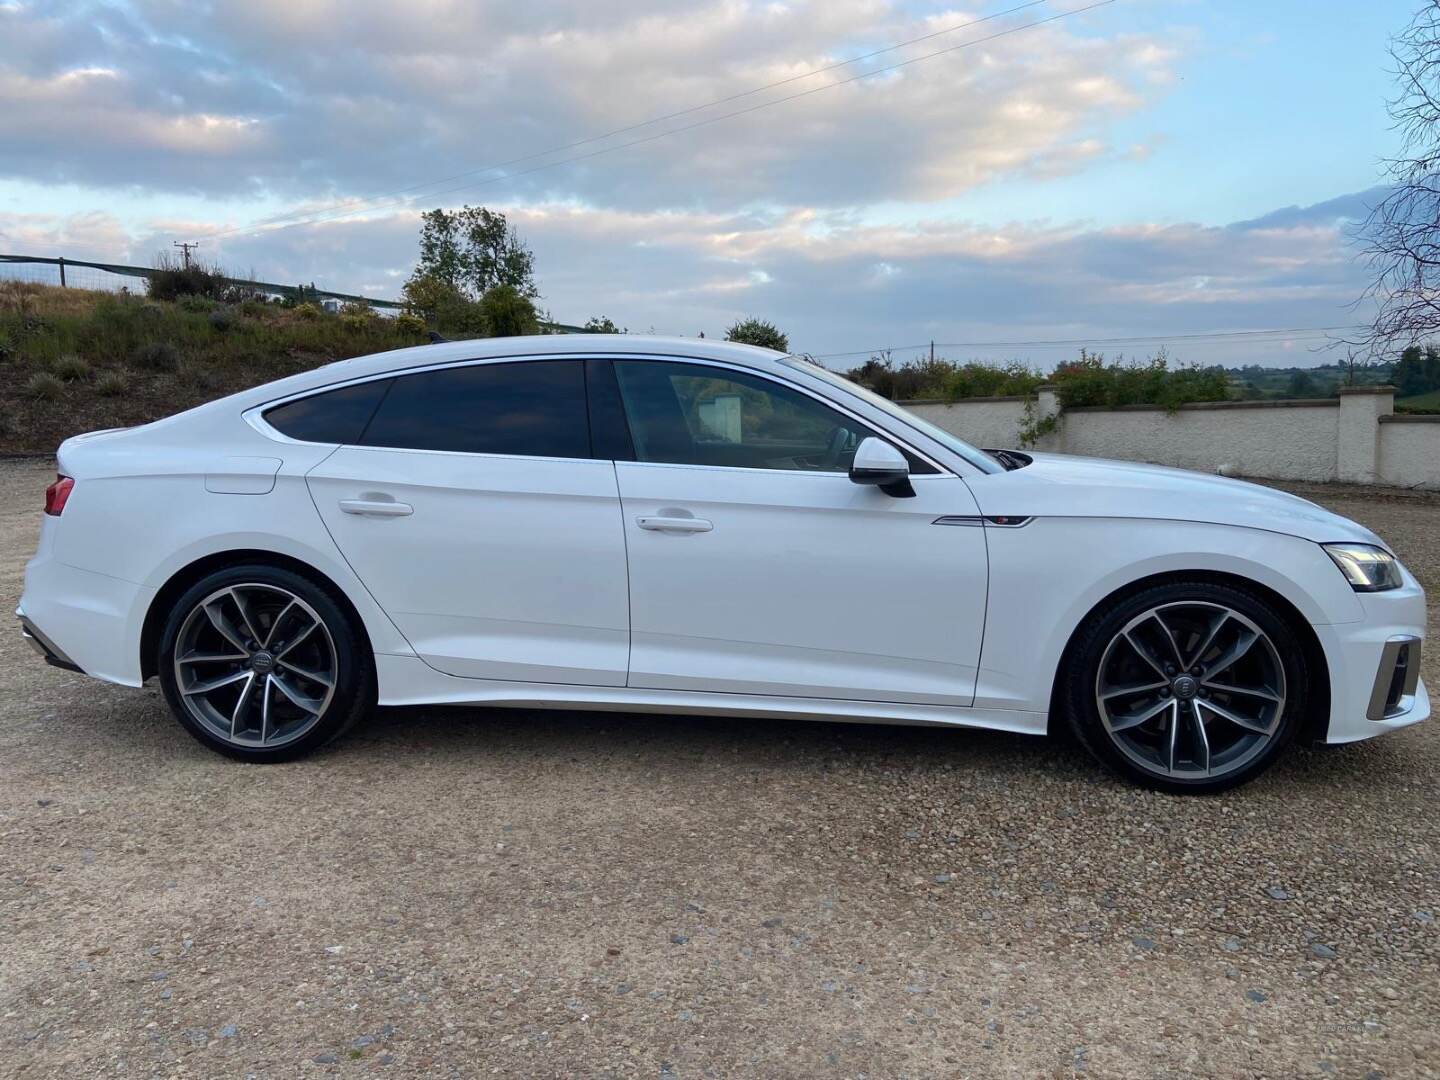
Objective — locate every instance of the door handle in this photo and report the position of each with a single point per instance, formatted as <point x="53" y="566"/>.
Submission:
<point x="674" y="524"/>
<point x="376" y="507"/>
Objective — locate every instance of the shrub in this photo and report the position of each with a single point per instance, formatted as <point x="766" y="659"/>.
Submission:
<point x="1091" y="381"/>
<point x="602" y="324"/>
<point x="253" y="307"/>
<point x="508" y="313"/>
<point x="758" y="332"/>
<point x="191" y="302"/>
<point x="307" y="310"/>
<point x="71" y="368"/>
<point x="222" y="319"/>
<point x="200" y="376"/>
<point x="170" y="281"/>
<point x="409" y="323"/>
<point x="157" y="356"/>
<point x="45" y="386"/>
<point x="447" y="306"/>
<point x="356" y="323"/>
<point x="112" y="383"/>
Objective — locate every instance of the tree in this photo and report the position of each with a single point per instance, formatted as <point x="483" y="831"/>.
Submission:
<point x="602" y="324"/>
<point x="472" y="250"/>
<point x="1417" y="371"/>
<point x="764" y="334"/>
<point x="1402" y="232"/>
<point x="1302" y="385"/>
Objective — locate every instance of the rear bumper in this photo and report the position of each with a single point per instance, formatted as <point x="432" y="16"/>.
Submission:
<point x="1368" y="696"/>
<point x="37" y="640"/>
<point x="81" y="620"/>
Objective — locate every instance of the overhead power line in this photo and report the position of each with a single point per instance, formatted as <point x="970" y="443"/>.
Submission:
<point x="281" y="223"/>
<point x="1209" y="335"/>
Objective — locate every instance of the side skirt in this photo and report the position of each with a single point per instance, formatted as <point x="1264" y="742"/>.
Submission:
<point x="407" y="680"/>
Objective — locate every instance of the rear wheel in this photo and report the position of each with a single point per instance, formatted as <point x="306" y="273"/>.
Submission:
<point x="1187" y="687"/>
<point x="263" y="664"/>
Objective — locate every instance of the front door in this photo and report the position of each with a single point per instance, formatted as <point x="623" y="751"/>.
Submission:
<point x="758" y="567"/>
<point x="471" y="508"/>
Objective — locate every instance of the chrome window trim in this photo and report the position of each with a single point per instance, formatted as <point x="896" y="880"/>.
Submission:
<point x="254" y="416"/>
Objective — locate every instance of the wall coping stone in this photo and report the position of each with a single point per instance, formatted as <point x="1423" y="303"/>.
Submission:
<point x="1410" y="418"/>
<point x="961" y="401"/>
<point x="1204" y="406"/>
<point x="1286" y="403"/>
<point x="1367" y="390"/>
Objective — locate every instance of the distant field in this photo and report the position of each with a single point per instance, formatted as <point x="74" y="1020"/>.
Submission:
<point x="1419" y="402"/>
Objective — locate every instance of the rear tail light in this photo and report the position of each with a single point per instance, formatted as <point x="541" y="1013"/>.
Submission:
<point x="56" y="495"/>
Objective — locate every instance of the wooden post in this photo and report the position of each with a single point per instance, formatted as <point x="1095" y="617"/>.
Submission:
<point x="62" y="271"/>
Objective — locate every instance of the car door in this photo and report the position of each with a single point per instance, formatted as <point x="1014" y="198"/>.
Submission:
<point x="758" y="567"/>
<point x="472" y="509"/>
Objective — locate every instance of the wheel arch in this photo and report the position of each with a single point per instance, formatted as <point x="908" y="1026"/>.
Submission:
<point x="1313" y="725"/>
<point x="187" y="575"/>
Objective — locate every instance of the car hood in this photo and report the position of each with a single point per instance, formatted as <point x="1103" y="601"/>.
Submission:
<point x="1060" y="485"/>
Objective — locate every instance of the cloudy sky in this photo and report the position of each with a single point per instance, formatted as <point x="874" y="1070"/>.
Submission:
<point x="1148" y="169"/>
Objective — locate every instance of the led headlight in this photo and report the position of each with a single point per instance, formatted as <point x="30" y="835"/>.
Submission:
<point x="1366" y="567"/>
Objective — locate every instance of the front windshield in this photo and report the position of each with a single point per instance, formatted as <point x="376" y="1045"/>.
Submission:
<point x="981" y="460"/>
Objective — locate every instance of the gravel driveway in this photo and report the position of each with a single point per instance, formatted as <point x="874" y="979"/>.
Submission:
<point x="568" y="894"/>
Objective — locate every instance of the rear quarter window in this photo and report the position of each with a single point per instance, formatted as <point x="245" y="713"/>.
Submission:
<point x="336" y="416"/>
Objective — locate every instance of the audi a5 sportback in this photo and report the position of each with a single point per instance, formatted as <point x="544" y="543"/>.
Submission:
<point x="681" y="526"/>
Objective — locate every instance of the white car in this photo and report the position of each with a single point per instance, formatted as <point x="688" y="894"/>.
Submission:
<point x="616" y="522"/>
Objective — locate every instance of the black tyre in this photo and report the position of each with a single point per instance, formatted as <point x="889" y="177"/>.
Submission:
<point x="263" y="664"/>
<point x="1186" y="687"/>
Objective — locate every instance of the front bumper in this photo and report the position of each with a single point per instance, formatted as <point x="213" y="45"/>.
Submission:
<point x="1368" y="695"/>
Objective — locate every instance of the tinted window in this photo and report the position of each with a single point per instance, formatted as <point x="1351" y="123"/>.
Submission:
<point x="690" y="414"/>
<point x="533" y="407"/>
<point x="336" y="416"/>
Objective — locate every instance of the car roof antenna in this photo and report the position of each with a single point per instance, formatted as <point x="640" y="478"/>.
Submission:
<point x="436" y="339"/>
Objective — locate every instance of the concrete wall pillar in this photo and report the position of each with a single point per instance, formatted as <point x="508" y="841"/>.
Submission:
<point x="1047" y="403"/>
<point x="1357" y="458"/>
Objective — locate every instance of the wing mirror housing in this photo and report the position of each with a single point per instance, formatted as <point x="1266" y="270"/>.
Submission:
<point x="881" y="465"/>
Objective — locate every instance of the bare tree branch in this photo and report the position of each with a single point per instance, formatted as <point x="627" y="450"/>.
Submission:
<point x="1402" y="232"/>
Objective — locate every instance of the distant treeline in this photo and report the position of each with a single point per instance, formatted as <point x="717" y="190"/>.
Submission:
<point x="1156" y="380"/>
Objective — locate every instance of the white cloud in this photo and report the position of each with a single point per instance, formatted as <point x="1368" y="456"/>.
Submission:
<point x="833" y="283"/>
<point x="306" y="100"/>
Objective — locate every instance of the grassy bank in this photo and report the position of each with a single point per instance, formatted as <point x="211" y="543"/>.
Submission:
<point x="73" y="361"/>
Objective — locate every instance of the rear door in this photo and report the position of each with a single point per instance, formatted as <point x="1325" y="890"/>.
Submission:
<point x="469" y="503"/>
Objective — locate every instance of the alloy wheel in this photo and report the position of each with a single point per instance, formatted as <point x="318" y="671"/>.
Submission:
<point x="1191" y="690"/>
<point x="256" y="665"/>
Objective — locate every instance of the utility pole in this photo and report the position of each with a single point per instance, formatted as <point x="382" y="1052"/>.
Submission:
<point x="932" y="352"/>
<point x="185" y="250"/>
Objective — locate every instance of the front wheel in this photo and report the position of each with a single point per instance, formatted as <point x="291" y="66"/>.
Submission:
<point x="262" y="664"/>
<point x="1187" y="687"/>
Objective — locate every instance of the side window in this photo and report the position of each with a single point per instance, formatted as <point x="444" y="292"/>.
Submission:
<point x="530" y="407"/>
<point x="690" y="414"/>
<point x="336" y="416"/>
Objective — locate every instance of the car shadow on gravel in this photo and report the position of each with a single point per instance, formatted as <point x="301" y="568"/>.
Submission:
<point x="577" y="735"/>
<point x="571" y="733"/>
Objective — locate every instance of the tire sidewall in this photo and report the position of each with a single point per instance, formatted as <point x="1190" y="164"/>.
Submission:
<point x="1101" y="628"/>
<point x="354" y="682"/>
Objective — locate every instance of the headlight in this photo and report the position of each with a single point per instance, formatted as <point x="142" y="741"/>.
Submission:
<point x="1366" y="567"/>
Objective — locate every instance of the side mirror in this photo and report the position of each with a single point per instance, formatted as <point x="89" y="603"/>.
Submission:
<point x="878" y="463"/>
